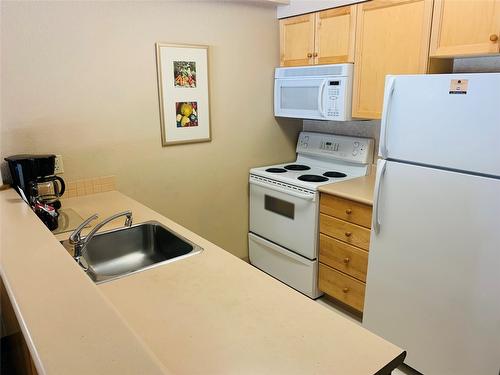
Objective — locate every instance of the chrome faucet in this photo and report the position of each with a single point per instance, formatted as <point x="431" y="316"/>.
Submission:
<point x="79" y="244"/>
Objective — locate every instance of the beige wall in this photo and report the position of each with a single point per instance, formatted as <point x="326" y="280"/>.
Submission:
<point x="79" y="79"/>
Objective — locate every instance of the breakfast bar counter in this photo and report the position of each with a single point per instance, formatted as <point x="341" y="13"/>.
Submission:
<point x="210" y="313"/>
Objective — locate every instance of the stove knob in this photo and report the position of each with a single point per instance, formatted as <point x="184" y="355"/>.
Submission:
<point x="355" y="152"/>
<point x="356" y="144"/>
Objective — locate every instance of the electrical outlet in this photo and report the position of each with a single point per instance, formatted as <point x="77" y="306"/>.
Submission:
<point x="58" y="165"/>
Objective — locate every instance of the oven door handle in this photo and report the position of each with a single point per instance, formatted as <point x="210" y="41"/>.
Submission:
<point x="285" y="191"/>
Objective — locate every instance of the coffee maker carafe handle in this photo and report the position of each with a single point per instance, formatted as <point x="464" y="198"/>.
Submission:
<point x="63" y="185"/>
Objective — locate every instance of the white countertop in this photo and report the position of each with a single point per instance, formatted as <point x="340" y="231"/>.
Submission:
<point x="211" y="313"/>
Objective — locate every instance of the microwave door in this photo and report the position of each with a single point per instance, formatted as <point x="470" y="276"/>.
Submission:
<point x="299" y="98"/>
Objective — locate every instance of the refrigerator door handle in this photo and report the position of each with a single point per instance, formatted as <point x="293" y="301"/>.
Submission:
<point x="381" y="166"/>
<point x="386" y="112"/>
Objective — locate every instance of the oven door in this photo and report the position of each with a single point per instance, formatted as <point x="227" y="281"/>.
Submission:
<point x="286" y="217"/>
<point x="300" y="98"/>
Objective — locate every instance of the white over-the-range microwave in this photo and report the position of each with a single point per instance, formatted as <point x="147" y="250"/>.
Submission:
<point x="320" y="92"/>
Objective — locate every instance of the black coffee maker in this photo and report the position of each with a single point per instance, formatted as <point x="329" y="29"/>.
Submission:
<point x="34" y="175"/>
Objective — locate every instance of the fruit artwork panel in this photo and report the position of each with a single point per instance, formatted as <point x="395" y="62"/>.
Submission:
<point x="186" y="114"/>
<point x="185" y="74"/>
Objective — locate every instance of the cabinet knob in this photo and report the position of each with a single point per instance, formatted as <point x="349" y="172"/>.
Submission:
<point x="348" y="211"/>
<point x="493" y="37"/>
<point x="348" y="234"/>
<point x="309" y="55"/>
<point x="345" y="290"/>
<point x="315" y="54"/>
<point x="347" y="260"/>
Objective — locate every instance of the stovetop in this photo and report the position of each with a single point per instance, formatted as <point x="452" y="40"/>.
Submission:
<point x="321" y="159"/>
<point x="325" y="174"/>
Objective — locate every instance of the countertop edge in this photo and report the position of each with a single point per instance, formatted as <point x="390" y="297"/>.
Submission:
<point x="22" y="325"/>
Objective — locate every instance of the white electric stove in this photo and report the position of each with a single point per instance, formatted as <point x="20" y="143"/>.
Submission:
<point x="284" y="205"/>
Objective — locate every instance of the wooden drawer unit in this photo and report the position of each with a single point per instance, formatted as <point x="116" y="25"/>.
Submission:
<point x="343" y="257"/>
<point x="342" y="287"/>
<point x="351" y="233"/>
<point x="344" y="241"/>
<point x="345" y="209"/>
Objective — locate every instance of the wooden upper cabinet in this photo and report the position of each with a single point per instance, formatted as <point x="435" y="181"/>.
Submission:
<point x="465" y="28"/>
<point x="334" y="38"/>
<point x="392" y="37"/>
<point x="325" y="37"/>
<point x="297" y="40"/>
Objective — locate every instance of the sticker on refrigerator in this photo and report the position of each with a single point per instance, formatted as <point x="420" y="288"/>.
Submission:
<point x="459" y="86"/>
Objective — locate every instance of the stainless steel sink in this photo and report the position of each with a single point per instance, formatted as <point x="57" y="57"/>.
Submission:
<point x="123" y="251"/>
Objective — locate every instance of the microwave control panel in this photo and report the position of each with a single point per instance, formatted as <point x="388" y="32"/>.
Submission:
<point x="336" y="99"/>
<point x="333" y="93"/>
<point x="353" y="149"/>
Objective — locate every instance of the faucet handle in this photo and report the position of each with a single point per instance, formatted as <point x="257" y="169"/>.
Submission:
<point x="75" y="237"/>
<point x="128" y="220"/>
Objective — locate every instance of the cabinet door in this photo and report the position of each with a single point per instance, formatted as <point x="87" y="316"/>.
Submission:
<point x="465" y="28"/>
<point x="392" y="37"/>
<point x="297" y="40"/>
<point x="334" y="37"/>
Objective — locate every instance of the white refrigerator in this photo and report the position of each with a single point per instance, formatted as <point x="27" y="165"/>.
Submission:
<point x="433" y="284"/>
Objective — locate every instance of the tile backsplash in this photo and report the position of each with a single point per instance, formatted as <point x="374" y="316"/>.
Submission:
<point x="89" y="186"/>
<point x="367" y="129"/>
<point x="486" y="64"/>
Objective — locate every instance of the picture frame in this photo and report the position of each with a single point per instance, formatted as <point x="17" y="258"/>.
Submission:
<point x="183" y="92"/>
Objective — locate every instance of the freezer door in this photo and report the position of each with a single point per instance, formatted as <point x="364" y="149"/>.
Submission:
<point x="434" y="120"/>
<point x="433" y="284"/>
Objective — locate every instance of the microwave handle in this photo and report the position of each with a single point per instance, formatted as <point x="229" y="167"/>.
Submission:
<point x="320" y="97"/>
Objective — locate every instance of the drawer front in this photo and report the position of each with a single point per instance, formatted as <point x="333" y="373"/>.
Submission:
<point x="343" y="257"/>
<point x="351" y="233"/>
<point x="292" y="269"/>
<point x="345" y="209"/>
<point x="342" y="287"/>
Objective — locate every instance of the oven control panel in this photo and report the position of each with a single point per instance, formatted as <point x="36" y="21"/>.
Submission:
<point x="352" y="149"/>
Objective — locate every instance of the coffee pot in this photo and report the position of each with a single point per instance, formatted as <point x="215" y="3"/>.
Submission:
<point x="48" y="190"/>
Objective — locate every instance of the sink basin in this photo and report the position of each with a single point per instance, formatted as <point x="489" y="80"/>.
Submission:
<point x="123" y="251"/>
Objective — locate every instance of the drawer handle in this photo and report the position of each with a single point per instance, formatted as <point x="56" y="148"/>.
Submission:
<point x="348" y="211"/>
<point x="347" y="260"/>
<point x="348" y="234"/>
<point x="309" y="55"/>
<point x="493" y="37"/>
<point x="345" y="290"/>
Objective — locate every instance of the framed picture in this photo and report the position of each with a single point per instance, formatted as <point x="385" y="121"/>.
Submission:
<point x="183" y="93"/>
